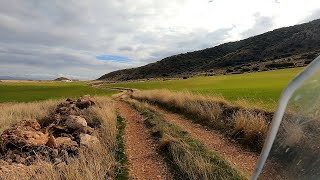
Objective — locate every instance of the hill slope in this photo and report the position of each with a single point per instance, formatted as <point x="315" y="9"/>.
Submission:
<point x="293" y="46"/>
<point x="62" y="79"/>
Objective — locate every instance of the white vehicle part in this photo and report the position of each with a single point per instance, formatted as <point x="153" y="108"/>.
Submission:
<point x="293" y="139"/>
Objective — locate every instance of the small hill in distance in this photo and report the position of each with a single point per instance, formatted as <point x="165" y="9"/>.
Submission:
<point x="62" y="79"/>
<point x="294" y="46"/>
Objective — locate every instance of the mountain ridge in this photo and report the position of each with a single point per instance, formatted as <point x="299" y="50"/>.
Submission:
<point x="293" y="46"/>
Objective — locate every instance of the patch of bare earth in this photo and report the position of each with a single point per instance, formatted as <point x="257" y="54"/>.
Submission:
<point x="144" y="162"/>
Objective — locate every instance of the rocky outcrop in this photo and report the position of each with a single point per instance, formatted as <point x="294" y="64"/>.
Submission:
<point x="76" y="122"/>
<point x="56" y="138"/>
<point x="26" y="133"/>
<point x="88" y="140"/>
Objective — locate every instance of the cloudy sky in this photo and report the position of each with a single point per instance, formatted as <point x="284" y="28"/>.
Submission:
<point x="44" y="39"/>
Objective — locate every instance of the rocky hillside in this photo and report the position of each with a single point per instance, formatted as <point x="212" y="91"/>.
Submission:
<point x="287" y="47"/>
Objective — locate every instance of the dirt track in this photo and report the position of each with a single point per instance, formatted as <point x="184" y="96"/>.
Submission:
<point x="233" y="153"/>
<point x="239" y="158"/>
<point x="144" y="161"/>
<point x="137" y="142"/>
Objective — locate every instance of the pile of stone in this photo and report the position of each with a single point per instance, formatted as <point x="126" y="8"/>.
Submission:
<point x="57" y="138"/>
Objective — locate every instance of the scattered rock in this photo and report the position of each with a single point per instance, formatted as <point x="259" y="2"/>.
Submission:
<point x="88" y="140"/>
<point x="25" y="133"/>
<point x="52" y="142"/>
<point x="83" y="104"/>
<point x="65" y="141"/>
<point x="88" y="130"/>
<point x="55" y="153"/>
<point x="76" y="122"/>
<point x="57" y="138"/>
<point x="69" y="100"/>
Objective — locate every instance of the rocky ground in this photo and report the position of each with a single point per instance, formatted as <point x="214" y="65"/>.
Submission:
<point x="55" y="139"/>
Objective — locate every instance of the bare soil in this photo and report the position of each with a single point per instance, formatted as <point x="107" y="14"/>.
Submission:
<point x="144" y="162"/>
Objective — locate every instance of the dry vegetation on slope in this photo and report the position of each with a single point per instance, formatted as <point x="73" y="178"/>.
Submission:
<point x="247" y="125"/>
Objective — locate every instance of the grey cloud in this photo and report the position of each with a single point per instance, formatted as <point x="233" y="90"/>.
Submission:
<point x="192" y="41"/>
<point x="314" y="15"/>
<point x="262" y="24"/>
<point x="125" y="48"/>
<point x="43" y="39"/>
<point x="55" y="37"/>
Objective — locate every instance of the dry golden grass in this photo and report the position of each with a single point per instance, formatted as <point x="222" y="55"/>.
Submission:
<point x="293" y="133"/>
<point x="92" y="163"/>
<point x="252" y="124"/>
<point x="249" y="123"/>
<point x="203" y="106"/>
<point x="177" y="98"/>
<point x="11" y="113"/>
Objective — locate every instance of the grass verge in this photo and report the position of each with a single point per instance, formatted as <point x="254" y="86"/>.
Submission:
<point x="189" y="158"/>
<point x="122" y="171"/>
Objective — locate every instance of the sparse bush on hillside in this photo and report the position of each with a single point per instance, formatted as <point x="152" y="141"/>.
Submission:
<point x="280" y="65"/>
<point x="255" y="68"/>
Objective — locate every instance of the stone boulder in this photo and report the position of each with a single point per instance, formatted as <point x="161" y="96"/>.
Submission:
<point x="76" y="122"/>
<point x="52" y="142"/>
<point x="88" y="140"/>
<point x="84" y="102"/>
<point x="65" y="141"/>
<point x="25" y="133"/>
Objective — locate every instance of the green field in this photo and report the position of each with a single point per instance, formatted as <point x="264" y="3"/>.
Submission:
<point x="36" y="91"/>
<point x="259" y="87"/>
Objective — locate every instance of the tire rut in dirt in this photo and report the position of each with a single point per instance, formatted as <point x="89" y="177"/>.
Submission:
<point x="234" y="154"/>
<point x="144" y="162"/>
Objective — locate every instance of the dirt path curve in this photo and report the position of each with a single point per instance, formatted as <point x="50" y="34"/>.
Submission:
<point x="245" y="161"/>
<point x="143" y="160"/>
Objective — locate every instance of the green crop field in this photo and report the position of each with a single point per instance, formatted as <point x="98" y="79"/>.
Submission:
<point x="23" y="91"/>
<point x="259" y="87"/>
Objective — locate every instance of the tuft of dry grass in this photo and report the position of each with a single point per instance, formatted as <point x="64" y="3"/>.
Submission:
<point x="96" y="162"/>
<point x="215" y="112"/>
<point x="293" y="133"/>
<point x="253" y="125"/>
<point x="11" y="113"/>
